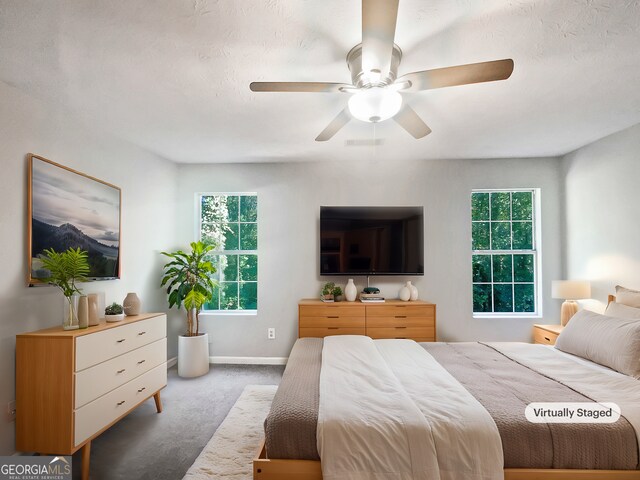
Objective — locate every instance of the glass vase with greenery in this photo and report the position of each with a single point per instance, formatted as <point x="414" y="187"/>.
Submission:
<point x="65" y="269"/>
<point x="189" y="283"/>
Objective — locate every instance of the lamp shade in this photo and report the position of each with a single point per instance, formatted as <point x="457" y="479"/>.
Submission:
<point x="570" y="289"/>
<point x="375" y="104"/>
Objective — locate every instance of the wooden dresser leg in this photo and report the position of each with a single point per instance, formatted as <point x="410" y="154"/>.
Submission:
<point x="86" y="457"/>
<point x="156" y="397"/>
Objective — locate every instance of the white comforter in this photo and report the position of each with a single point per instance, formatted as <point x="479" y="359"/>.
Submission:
<point x="389" y="411"/>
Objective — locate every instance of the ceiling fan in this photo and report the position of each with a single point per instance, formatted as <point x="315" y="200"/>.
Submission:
<point x="375" y="84"/>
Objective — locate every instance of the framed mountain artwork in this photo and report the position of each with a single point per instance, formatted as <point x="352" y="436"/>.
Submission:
<point x="71" y="209"/>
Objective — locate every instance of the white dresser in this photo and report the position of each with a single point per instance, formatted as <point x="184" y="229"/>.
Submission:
<point x="73" y="385"/>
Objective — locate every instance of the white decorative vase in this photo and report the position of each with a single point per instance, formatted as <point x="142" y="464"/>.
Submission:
<point x="414" y="291"/>
<point x="405" y="293"/>
<point x="350" y="291"/>
<point x="92" y="302"/>
<point x="83" y="311"/>
<point x="131" y="304"/>
<point x="193" y="355"/>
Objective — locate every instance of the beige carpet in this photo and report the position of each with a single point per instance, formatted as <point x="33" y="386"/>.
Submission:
<point x="229" y="453"/>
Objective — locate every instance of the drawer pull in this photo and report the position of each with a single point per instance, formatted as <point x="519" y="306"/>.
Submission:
<point x="400" y="327"/>
<point x="333" y="328"/>
<point x="400" y="338"/>
<point x="401" y="316"/>
<point x="141" y="333"/>
<point x="333" y="316"/>
<point x="121" y="371"/>
<point x="120" y="403"/>
<point x="547" y="339"/>
<point x="141" y="362"/>
<point x="121" y="340"/>
<point x="142" y="389"/>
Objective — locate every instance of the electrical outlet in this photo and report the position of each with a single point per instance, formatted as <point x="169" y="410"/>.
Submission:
<point x="271" y="333"/>
<point x="11" y="411"/>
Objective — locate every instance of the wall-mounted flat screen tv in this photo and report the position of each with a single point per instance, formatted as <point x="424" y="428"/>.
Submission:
<point x="70" y="209"/>
<point x="371" y="241"/>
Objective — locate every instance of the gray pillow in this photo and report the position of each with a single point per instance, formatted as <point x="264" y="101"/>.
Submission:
<point x="626" y="296"/>
<point x="610" y="341"/>
<point x="619" y="310"/>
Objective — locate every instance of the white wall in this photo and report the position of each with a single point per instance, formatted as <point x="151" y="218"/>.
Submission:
<point x="289" y="197"/>
<point x="603" y="214"/>
<point x="148" y="211"/>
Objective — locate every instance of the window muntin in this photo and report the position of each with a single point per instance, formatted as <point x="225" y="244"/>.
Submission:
<point x="230" y="222"/>
<point x="505" y="254"/>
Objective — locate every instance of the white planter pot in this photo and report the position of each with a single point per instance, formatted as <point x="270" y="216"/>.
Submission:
<point x="193" y="355"/>
<point x="114" y="318"/>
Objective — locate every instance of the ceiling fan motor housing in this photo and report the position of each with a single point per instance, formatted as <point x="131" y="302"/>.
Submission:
<point x="360" y="78"/>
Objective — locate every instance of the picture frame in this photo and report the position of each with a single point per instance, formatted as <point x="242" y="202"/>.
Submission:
<point x="68" y="208"/>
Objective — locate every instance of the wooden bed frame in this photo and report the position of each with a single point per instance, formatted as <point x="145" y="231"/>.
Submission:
<point x="275" y="469"/>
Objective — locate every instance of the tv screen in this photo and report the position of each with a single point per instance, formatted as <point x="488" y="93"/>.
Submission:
<point x="371" y="241"/>
<point x="70" y="209"/>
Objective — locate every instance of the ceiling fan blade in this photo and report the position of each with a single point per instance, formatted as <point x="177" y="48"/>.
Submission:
<point x="408" y="119"/>
<point x="314" y="87"/>
<point x="336" y="124"/>
<point x="459" y="75"/>
<point x="378" y="31"/>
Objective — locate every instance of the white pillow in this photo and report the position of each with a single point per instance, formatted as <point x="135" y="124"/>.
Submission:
<point x="609" y="341"/>
<point x="626" y="296"/>
<point x="619" y="310"/>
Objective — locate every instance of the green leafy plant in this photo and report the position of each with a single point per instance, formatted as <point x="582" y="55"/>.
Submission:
<point x="189" y="283"/>
<point x="328" y="288"/>
<point x="66" y="268"/>
<point x="114" y="309"/>
<point x="337" y="291"/>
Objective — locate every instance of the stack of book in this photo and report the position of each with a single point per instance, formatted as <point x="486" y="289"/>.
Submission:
<point x="371" y="298"/>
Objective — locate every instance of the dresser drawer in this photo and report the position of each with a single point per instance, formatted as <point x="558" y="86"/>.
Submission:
<point x="354" y="310"/>
<point x="401" y="332"/>
<point x="94" y="416"/>
<point x="95" y="381"/>
<point x="100" y="346"/>
<point x="332" y="321"/>
<point x="407" y="310"/>
<point x="401" y="321"/>
<point x="327" y="331"/>
<point x="544" y="337"/>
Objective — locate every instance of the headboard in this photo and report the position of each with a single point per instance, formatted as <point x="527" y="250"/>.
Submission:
<point x="612" y="298"/>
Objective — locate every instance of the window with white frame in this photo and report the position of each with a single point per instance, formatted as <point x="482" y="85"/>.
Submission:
<point x="229" y="221"/>
<point x="505" y="252"/>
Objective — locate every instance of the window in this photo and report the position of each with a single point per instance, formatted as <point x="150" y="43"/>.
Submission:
<point x="230" y="222"/>
<point x="505" y="252"/>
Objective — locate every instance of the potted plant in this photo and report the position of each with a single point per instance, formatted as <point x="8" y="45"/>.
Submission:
<point x="337" y="293"/>
<point x="114" y="313"/>
<point x="189" y="284"/>
<point x="327" y="292"/>
<point x="65" y="269"/>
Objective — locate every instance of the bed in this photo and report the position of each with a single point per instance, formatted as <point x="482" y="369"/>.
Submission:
<point x="503" y="378"/>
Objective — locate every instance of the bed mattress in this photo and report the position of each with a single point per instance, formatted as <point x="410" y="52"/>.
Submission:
<point x="501" y="385"/>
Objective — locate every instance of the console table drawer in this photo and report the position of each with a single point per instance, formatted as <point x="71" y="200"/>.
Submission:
<point x="100" y="346"/>
<point x="100" y="413"/>
<point x="328" y="331"/>
<point x="407" y="310"/>
<point x="401" y="332"/>
<point x="329" y="309"/>
<point x="95" y="381"/>
<point x="400" y="321"/>
<point x="332" y="321"/>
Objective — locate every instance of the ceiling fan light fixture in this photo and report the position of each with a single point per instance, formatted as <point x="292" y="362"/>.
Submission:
<point x="375" y="104"/>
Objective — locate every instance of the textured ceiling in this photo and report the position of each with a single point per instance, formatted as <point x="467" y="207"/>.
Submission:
<point x="173" y="75"/>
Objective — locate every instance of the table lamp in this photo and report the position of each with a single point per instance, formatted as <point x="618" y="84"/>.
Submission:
<point x="570" y="291"/>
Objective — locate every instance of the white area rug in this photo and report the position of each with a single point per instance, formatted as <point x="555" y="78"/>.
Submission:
<point x="230" y="452"/>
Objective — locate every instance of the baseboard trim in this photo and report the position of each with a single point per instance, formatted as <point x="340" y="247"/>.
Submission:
<point x="249" y="360"/>
<point x="171" y="362"/>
